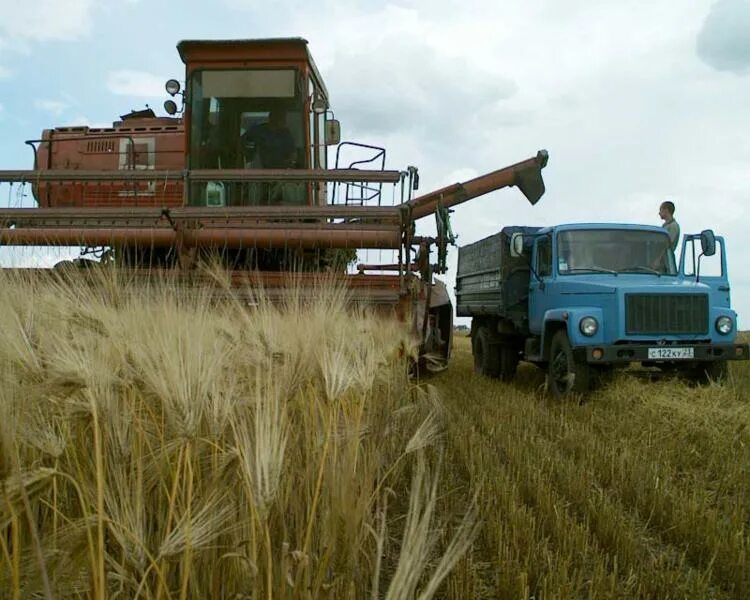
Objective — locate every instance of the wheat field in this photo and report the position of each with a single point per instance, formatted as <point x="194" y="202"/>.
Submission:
<point x="164" y="444"/>
<point x="159" y="444"/>
<point x="643" y="491"/>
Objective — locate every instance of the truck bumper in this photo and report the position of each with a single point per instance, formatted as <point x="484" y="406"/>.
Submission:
<point x="626" y="353"/>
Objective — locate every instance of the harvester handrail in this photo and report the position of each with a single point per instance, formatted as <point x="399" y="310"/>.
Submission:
<point x="294" y="175"/>
<point x="200" y="175"/>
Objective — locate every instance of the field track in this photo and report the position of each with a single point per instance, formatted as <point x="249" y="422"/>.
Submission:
<point x="642" y="491"/>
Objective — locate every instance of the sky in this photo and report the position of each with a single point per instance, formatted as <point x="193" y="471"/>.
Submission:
<point x="637" y="101"/>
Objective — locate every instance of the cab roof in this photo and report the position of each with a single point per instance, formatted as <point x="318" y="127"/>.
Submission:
<point x="185" y="46"/>
<point x="292" y="49"/>
<point x="619" y="226"/>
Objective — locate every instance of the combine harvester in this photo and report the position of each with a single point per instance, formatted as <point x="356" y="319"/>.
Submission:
<point x="242" y="177"/>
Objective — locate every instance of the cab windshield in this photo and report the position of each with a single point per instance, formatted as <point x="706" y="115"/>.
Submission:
<point x="614" y="251"/>
<point x="249" y="118"/>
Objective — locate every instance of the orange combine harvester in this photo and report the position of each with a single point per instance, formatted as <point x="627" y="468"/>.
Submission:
<point x="243" y="176"/>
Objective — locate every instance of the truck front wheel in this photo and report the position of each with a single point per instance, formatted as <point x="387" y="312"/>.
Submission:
<point x="715" y="371"/>
<point x="565" y="375"/>
<point x="486" y="354"/>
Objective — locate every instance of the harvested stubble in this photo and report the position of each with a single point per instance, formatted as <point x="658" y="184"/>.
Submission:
<point x="643" y="491"/>
<point x="161" y="445"/>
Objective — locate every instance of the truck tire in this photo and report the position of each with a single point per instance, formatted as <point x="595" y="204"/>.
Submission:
<point x="715" y="371"/>
<point x="509" y="357"/>
<point x="566" y="376"/>
<point x="486" y="354"/>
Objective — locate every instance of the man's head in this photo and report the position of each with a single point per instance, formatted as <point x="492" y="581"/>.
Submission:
<point x="666" y="211"/>
<point x="277" y="118"/>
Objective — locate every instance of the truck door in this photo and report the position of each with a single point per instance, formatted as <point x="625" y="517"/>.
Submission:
<point x="539" y="293"/>
<point x="713" y="269"/>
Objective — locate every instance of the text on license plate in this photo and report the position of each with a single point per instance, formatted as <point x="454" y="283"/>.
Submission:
<point x="670" y="353"/>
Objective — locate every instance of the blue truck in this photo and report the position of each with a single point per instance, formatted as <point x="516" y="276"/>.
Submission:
<point x="579" y="300"/>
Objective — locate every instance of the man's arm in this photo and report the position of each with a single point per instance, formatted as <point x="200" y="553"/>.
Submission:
<point x="249" y="141"/>
<point x="290" y="152"/>
<point x="673" y="229"/>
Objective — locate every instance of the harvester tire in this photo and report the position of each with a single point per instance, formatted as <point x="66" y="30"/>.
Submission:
<point x="565" y="376"/>
<point x="486" y="354"/>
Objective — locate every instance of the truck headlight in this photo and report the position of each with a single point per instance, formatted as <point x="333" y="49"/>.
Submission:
<point x="589" y="326"/>
<point x="724" y="325"/>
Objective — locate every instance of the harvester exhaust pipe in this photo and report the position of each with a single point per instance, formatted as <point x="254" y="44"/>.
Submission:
<point x="526" y="175"/>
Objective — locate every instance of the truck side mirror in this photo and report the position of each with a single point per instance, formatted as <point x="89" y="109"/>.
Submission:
<point x="708" y="242"/>
<point x="333" y="132"/>
<point x="516" y="245"/>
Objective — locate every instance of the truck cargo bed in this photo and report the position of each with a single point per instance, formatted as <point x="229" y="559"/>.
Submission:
<point x="490" y="281"/>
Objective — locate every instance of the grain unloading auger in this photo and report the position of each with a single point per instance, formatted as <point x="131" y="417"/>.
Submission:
<point x="243" y="177"/>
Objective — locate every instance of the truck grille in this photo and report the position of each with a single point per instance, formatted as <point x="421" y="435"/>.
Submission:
<point x="666" y="313"/>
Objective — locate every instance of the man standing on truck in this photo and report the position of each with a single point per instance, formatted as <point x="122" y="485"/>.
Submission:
<point x="666" y="213"/>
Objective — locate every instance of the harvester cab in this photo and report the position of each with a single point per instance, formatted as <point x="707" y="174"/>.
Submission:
<point x="257" y="105"/>
<point x="239" y="172"/>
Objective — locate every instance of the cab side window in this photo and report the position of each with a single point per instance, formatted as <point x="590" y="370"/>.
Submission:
<point x="544" y="257"/>
<point x="710" y="266"/>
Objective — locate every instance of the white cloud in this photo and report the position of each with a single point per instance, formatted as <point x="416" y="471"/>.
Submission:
<point x="43" y="20"/>
<point x="724" y="40"/>
<point x="139" y="84"/>
<point x="55" y="107"/>
<point x="5" y="73"/>
<point x="81" y="121"/>
<point x="411" y="85"/>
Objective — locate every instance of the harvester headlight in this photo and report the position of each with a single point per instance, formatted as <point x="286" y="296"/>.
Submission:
<point x="170" y="107"/>
<point x="724" y="325"/>
<point x="589" y="326"/>
<point x="172" y="86"/>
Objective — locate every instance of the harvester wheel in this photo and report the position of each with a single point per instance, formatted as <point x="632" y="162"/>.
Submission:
<point x="486" y="354"/>
<point x="509" y="357"/>
<point x="565" y="375"/>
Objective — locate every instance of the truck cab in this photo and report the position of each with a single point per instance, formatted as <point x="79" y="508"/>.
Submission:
<point x="602" y="295"/>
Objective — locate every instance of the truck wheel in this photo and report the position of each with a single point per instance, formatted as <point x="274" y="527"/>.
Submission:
<point x="565" y="376"/>
<point x="717" y="371"/>
<point x="486" y="354"/>
<point x="508" y="361"/>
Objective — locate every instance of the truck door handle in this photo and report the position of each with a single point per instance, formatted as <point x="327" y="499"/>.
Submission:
<point x="723" y="288"/>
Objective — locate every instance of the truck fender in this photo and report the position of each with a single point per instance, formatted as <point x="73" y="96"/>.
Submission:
<point x="569" y="319"/>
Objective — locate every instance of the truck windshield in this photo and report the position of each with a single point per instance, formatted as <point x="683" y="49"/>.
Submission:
<point x="249" y="118"/>
<point x="614" y="251"/>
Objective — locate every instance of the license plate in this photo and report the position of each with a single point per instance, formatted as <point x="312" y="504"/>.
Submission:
<point x="670" y="353"/>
